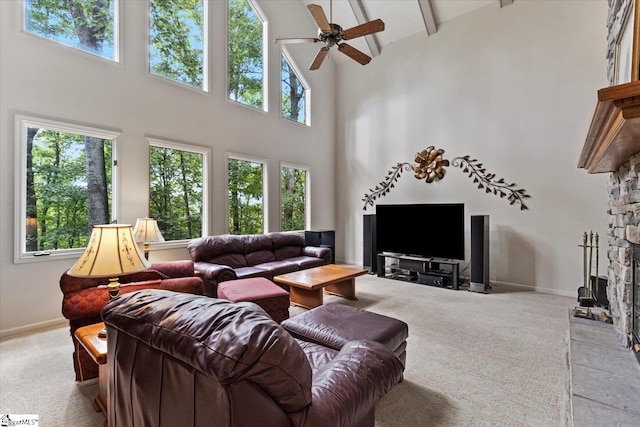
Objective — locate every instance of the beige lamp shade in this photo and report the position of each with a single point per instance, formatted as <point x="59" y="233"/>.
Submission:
<point x="111" y="252"/>
<point x="146" y="230"/>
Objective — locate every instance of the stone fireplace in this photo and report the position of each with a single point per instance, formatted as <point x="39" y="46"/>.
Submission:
<point x="624" y="249"/>
<point x="613" y="146"/>
<point x="635" y="309"/>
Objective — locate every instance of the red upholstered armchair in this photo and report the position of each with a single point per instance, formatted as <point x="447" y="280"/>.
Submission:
<point x="84" y="299"/>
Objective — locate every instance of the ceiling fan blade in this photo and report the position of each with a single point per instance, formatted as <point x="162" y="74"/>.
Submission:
<point x="297" y="40"/>
<point x="320" y="17"/>
<point x="363" y="29"/>
<point x="354" y="53"/>
<point x="317" y="61"/>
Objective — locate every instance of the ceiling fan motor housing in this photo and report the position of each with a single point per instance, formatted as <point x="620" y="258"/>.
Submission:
<point x="332" y="37"/>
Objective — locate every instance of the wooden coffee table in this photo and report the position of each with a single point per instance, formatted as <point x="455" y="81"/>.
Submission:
<point x="307" y="286"/>
<point x="96" y="346"/>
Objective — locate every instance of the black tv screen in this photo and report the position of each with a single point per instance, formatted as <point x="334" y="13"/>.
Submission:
<point x="425" y="230"/>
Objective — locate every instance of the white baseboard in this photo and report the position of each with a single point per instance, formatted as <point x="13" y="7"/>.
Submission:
<point x="34" y="327"/>
<point x="564" y="293"/>
<point x="540" y="289"/>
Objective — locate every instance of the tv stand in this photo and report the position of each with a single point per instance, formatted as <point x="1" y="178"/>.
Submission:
<point x="426" y="271"/>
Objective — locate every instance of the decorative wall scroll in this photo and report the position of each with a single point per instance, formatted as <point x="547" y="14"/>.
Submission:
<point x="430" y="167"/>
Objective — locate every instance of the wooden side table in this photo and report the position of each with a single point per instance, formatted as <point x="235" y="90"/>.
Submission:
<point x="96" y="346"/>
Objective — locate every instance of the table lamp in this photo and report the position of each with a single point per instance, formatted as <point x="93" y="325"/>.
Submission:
<point x="145" y="231"/>
<point x="111" y="252"/>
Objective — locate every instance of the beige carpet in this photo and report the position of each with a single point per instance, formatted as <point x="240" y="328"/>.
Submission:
<point x="498" y="359"/>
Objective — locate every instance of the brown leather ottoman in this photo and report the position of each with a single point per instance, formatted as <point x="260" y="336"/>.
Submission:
<point x="333" y="325"/>
<point x="271" y="297"/>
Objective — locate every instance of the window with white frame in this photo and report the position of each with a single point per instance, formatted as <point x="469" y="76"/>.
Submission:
<point x="246" y="195"/>
<point x="293" y="100"/>
<point x="88" y="25"/>
<point x="293" y="197"/>
<point x="177" y="41"/>
<point x="178" y="189"/>
<point x="66" y="184"/>
<point x="246" y="55"/>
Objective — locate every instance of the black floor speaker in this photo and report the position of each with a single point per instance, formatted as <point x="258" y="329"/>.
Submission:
<point x="479" y="253"/>
<point x="370" y="254"/>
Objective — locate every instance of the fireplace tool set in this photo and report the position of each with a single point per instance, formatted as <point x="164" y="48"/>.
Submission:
<point x="593" y="292"/>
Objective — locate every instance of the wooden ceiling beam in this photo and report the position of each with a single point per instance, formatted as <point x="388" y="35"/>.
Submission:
<point x="361" y="17"/>
<point x="428" y="17"/>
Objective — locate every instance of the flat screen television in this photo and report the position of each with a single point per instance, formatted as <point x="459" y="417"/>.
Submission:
<point x="424" y="230"/>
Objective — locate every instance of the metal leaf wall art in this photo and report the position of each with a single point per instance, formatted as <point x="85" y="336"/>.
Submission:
<point x="489" y="183"/>
<point x="430" y="166"/>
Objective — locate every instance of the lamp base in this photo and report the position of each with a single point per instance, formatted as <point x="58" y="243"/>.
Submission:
<point x="113" y="287"/>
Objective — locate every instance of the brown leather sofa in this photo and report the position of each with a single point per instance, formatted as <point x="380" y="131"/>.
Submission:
<point x="229" y="256"/>
<point x="177" y="359"/>
<point x="84" y="299"/>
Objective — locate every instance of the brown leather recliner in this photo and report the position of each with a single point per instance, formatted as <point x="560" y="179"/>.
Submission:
<point x="84" y="299"/>
<point x="177" y="359"/>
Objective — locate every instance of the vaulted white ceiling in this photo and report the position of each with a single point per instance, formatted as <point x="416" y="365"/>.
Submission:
<point x="402" y="18"/>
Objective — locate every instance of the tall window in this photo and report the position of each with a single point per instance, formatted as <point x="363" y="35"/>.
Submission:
<point x="294" y="93"/>
<point x="66" y="184"/>
<point x="89" y="25"/>
<point x="293" y="195"/>
<point x="177" y="41"/>
<point x="246" y="70"/>
<point x="246" y="196"/>
<point x="178" y="189"/>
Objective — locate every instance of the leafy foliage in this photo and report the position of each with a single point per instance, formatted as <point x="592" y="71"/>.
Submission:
<point x="245" y="54"/>
<point x="83" y="24"/>
<point x="59" y="188"/>
<point x="177" y="40"/>
<point x="245" y="197"/>
<point x="293" y="94"/>
<point x="293" y="186"/>
<point x="175" y="192"/>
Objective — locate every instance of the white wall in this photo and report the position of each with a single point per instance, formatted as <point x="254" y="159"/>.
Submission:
<point x="513" y="87"/>
<point x="43" y="79"/>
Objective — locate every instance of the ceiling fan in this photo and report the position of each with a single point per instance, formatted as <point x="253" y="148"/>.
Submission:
<point x="332" y="35"/>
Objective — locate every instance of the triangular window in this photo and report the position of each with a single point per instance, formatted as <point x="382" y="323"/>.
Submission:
<point x="294" y="103"/>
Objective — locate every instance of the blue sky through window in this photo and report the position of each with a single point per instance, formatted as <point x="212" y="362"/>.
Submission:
<point x="52" y="20"/>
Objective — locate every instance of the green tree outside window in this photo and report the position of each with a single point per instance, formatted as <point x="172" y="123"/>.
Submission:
<point x="294" y="94"/>
<point x="68" y="188"/>
<point x="293" y="191"/>
<point x="176" y="192"/>
<point x="177" y="40"/>
<point x="245" y="197"/>
<point x="245" y="55"/>
<point x="88" y="25"/>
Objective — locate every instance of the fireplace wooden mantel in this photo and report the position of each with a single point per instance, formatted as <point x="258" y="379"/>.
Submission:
<point x="614" y="133"/>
